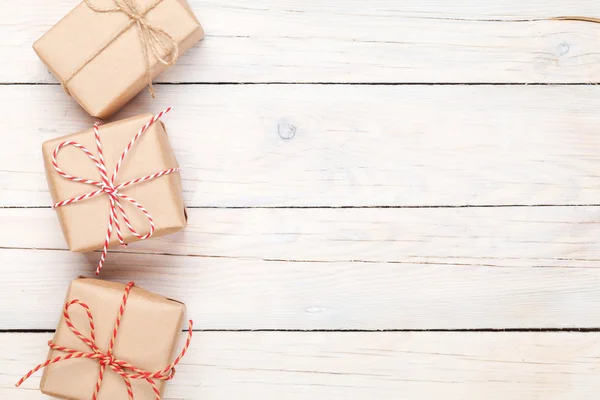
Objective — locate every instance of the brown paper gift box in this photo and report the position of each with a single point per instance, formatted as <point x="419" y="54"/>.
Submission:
<point x="148" y="336"/>
<point x="117" y="73"/>
<point x="84" y="223"/>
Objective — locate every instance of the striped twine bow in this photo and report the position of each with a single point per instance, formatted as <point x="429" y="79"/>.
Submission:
<point x="107" y="186"/>
<point x="149" y="37"/>
<point x="123" y="368"/>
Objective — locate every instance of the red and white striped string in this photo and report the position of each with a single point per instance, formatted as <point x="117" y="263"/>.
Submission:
<point x="107" y="186"/>
<point x="123" y="368"/>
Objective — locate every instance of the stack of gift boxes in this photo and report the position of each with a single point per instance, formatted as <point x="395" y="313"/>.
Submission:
<point x="114" y="184"/>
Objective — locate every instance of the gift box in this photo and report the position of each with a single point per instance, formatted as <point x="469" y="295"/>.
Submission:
<point x="104" y="52"/>
<point x="115" y="183"/>
<point x="112" y="339"/>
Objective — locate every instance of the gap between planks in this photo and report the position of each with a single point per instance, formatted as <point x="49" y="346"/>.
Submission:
<point x="316" y="83"/>
<point x="484" y="330"/>
<point x="409" y="207"/>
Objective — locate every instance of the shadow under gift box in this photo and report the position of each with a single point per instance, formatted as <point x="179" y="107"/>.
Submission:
<point x="84" y="224"/>
<point x="148" y="336"/>
<point x="117" y="73"/>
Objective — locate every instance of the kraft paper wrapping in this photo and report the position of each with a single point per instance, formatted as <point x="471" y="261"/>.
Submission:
<point x="84" y="223"/>
<point x="118" y="73"/>
<point x="147" y="338"/>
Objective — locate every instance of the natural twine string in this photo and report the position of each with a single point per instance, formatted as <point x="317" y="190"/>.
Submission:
<point x="148" y="33"/>
<point x="577" y="18"/>
<point x="123" y="368"/>
<point x="107" y="186"/>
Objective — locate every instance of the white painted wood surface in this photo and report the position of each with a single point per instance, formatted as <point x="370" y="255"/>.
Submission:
<point x="314" y="145"/>
<point x="469" y="268"/>
<point x="495" y="236"/>
<point x="387" y="365"/>
<point x="351" y="365"/>
<point x="252" y="294"/>
<point x="353" y="41"/>
<point x="370" y="205"/>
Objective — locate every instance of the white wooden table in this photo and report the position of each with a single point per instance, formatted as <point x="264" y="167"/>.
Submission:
<point x="388" y="199"/>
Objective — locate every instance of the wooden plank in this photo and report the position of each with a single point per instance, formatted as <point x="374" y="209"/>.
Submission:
<point x="318" y="365"/>
<point x="332" y="268"/>
<point x="313" y="41"/>
<point x="292" y="145"/>
<point x="522" y="237"/>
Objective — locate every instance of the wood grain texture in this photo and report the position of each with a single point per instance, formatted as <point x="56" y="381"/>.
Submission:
<point x="290" y="145"/>
<point x="353" y="41"/>
<point x="236" y="294"/>
<point x="524" y="237"/>
<point x="304" y="269"/>
<point x="286" y="184"/>
<point x="326" y="366"/>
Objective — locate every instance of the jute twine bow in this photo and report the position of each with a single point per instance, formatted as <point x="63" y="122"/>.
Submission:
<point x="107" y="186"/>
<point x="149" y="38"/>
<point x="123" y="368"/>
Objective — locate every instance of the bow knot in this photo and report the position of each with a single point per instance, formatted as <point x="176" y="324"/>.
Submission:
<point x="123" y="368"/>
<point x="152" y="38"/>
<point x="107" y="186"/>
<point x="110" y="190"/>
<point x="108" y="360"/>
<point x="131" y="10"/>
